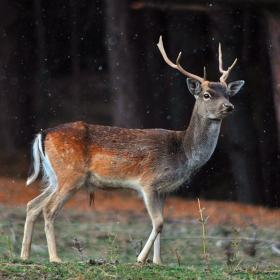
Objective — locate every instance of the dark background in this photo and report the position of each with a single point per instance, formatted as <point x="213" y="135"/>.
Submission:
<point x="97" y="61"/>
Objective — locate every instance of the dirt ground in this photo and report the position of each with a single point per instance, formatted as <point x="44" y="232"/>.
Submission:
<point x="13" y="192"/>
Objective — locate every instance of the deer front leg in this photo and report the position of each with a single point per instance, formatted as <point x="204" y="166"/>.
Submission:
<point x="33" y="211"/>
<point x="153" y="203"/>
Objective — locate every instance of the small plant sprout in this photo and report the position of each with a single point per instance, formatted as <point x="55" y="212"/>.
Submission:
<point x="206" y="255"/>
<point x="9" y="245"/>
<point x="177" y="256"/>
<point x="137" y="245"/>
<point x="77" y="246"/>
<point x="112" y="249"/>
<point x="235" y="243"/>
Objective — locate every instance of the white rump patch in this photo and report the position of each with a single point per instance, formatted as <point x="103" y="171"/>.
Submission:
<point x="49" y="177"/>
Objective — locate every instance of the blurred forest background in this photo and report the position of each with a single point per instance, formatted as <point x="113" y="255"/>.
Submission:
<point x="97" y="61"/>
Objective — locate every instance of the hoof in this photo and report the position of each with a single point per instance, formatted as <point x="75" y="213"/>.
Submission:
<point x="157" y="261"/>
<point x="57" y="260"/>
<point x="146" y="261"/>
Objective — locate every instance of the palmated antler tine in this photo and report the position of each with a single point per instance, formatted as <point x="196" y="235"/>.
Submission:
<point x="177" y="65"/>
<point x="225" y="73"/>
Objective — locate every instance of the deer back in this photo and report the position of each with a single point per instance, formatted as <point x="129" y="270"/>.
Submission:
<point x="113" y="155"/>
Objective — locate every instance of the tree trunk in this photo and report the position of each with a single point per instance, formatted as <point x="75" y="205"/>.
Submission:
<point x="121" y="64"/>
<point x="8" y="93"/>
<point x="271" y="118"/>
<point x="42" y="75"/>
<point x="75" y="87"/>
<point x="274" y="51"/>
<point x="151" y="81"/>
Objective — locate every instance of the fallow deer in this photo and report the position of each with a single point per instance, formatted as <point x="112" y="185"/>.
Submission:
<point x="153" y="162"/>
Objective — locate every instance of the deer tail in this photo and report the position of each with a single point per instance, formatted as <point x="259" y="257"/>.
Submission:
<point x="39" y="156"/>
<point x="34" y="168"/>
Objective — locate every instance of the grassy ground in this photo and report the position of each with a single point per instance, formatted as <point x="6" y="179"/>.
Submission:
<point x="107" y="239"/>
<point x="38" y="270"/>
<point x="106" y="231"/>
<point x="104" y="234"/>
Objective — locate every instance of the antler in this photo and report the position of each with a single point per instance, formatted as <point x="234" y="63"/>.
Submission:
<point x="224" y="72"/>
<point x="177" y="65"/>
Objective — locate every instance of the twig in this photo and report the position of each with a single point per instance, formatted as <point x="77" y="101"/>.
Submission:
<point x="206" y="255"/>
<point x="135" y="245"/>
<point x="78" y="247"/>
<point x="177" y="256"/>
<point x="238" y="264"/>
<point x="234" y="244"/>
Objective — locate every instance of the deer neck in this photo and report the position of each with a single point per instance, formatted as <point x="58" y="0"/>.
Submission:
<point x="200" y="139"/>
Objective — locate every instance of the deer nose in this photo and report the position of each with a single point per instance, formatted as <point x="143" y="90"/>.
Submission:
<point x="228" y="106"/>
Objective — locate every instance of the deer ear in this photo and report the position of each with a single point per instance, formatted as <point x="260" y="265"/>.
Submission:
<point x="234" y="87"/>
<point x="194" y="86"/>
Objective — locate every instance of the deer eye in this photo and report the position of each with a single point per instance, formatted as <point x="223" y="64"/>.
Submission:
<point x="206" y="95"/>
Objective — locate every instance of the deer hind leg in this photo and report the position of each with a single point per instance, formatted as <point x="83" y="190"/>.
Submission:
<point x="50" y="211"/>
<point x="157" y="249"/>
<point x="153" y="203"/>
<point x="33" y="211"/>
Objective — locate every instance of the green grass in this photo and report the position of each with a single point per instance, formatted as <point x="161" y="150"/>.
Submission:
<point x="107" y="236"/>
<point x="17" y="269"/>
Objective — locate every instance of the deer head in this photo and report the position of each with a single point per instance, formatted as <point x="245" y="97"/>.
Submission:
<point x="212" y="98"/>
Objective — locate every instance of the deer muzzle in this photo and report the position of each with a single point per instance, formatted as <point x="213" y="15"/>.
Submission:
<point x="228" y="107"/>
